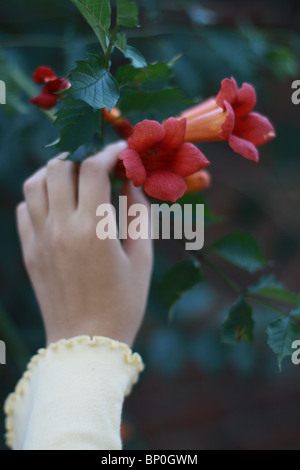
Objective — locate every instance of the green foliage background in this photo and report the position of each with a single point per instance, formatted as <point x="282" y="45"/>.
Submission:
<point x="216" y="40"/>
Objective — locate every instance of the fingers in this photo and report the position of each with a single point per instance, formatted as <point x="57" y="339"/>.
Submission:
<point x="55" y="190"/>
<point x="139" y="250"/>
<point x="94" y="185"/>
<point x="61" y="186"/>
<point x="35" y="193"/>
<point x="24" y="224"/>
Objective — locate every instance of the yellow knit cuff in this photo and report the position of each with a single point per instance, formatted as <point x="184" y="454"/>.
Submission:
<point x="132" y="361"/>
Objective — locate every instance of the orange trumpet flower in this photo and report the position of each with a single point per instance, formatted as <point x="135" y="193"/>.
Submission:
<point x="198" y="182"/>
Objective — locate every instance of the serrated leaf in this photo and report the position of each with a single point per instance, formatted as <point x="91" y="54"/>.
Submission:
<point x="162" y="104"/>
<point x="179" y="280"/>
<point x="78" y="123"/>
<point x="98" y="14"/>
<point x="127" y="15"/>
<point x="137" y="59"/>
<point x="239" y="324"/>
<point x="92" y="83"/>
<point x="272" y="289"/>
<point x="242" y="250"/>
<point x="281" y="334"/>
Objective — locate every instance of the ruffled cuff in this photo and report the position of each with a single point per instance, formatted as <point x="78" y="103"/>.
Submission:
<point x="71" y="396"/>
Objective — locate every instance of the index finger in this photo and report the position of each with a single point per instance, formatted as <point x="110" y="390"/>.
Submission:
<point x="94" y="184"/>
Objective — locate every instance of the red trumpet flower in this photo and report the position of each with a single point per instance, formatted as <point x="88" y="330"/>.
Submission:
<point x="48" y="97"/>
<point x="229" y="117"/>
<point x="159" y="159"/>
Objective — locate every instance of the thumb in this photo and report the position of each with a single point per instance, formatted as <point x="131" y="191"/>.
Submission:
<point x="138" y="246"/>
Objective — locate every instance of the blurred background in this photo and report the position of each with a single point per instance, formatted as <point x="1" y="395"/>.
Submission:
<point x="196" y="393"/>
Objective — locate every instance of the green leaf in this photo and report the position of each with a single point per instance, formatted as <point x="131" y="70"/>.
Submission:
<point x="130" y="76"/>
<point x="121" y="41"/>
<point x="239" y="324"/>
<point x="81" y="154"/>
<point x="98" y="14"/>
<point x="127" y="15"/>
<point x="295" y="313"/>
<point x="242" y="250"/>
<point x="158" y="77"/>
<point x="270" y="288"/>
<point x="92" y="83"/>
<point x="137" y="59"/>
<point x="78" y="124"/>
<point x="162" y="104"/>
<point x="178" y="280"/>
<point x="154" y="77"/>
<point x="281" y="334"/>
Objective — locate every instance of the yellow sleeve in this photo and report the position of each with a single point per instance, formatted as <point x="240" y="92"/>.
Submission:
<point x="71" y="396"/>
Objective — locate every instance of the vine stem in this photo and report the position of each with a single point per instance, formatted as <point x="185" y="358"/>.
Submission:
<point x="221" y="274"/>
<point x="236" y="288"/>
<point x="111" y="43"/>
<point x="266" y="304"/>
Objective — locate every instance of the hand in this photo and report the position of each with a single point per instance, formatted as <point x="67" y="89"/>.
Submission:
<point x="84" y="286"/>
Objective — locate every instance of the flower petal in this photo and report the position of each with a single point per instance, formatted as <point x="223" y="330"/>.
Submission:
<point x="244" y="148"/>
<point x="189" y="160"/>
<point x="228" y="92"/>
<point x="165" y="185"/>
<point x="256" y="128"/>
<point x="228" y="124"/>
<point x="135" y="170"/>
<point x="146" y="134"/>
<point x="43" y="75"/>
<point x="45" y="101"/>
<point x="59" y="84"/>
<point x="175" y="132"/>
<point x="246" y="100"/>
